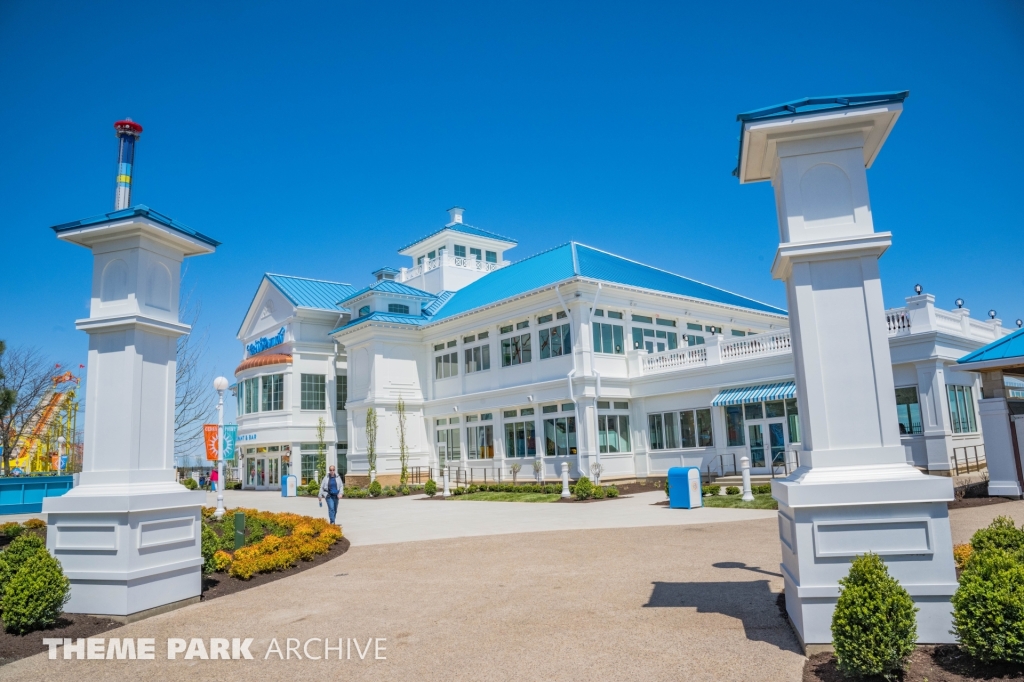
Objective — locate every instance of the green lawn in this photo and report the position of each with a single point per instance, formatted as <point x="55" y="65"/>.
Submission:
<point x="734" y="501"/>
<point x="507" y="497"/>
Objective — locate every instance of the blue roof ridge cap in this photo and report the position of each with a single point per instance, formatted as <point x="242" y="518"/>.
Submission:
<point x="307" y="279"/>
<point x="140" y="210"/>
<point x="674" y="274"/>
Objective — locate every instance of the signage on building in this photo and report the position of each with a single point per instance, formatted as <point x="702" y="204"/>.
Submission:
<point x="246" y="436"/>
<point x="264" y="342"/>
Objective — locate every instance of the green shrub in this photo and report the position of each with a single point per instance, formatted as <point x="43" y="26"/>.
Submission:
<point x="211" y="542"/>
<point x="552" y="489"/>
<point x="375" y="489"/>
<point x="455" y="491"/>
<point x="598" y="492"/>
<point x="1000" y="534"/>
<point x="233" y="485"/>
<point x="430" y="488"/>
<point x="711" y="489"/>
<point x="34" y="598"/>
<point x="357" y="493"/>
<point x="390" y="492"/>
<point x="17" y="553"/>
<point x="190" y="483"/>
<point x="612" y="491"/>
<point x="584" y="489"/>
<point x="404" y="490"/>
<point x="473" y="488"/>
<point x="765" y="489"/>
<point x="12" y="529"/>
<point x="313" y="488"/>
<point x="666" y="488"/>
<point x="874" y="628"/>
<point x="732" y="490"/>
<point x="988" y="607"/>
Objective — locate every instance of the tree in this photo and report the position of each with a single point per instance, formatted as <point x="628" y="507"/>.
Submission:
<point x="26" y="379"/>
<point x="403" y="451"/>
<point x="194" y="399"/>
<point x="321" y="448"/>
<point x="371" y="441"/>
<point x="515" y="469"/>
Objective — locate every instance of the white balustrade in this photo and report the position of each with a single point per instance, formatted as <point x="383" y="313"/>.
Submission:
<point x="769" y="343"/>
<point x="947" y="321"/>
<point x="672" y="359"/>
<point x="898" y="321"/>
<point x="449" y="261"/>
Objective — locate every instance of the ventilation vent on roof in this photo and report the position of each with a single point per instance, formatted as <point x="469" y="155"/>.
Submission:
<point x="455" y="212"/>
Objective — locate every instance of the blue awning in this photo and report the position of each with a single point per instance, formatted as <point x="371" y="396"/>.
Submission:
<point x="755" y="394"/>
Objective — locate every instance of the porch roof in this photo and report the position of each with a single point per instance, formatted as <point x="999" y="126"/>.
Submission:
<point x="755" y="394"/>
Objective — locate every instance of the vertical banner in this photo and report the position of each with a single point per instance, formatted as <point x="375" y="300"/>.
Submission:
<point x="230" y="438"/>
<point x="210" y="437"/>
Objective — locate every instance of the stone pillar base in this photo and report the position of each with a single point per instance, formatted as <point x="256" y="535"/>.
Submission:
<point x="829" y="516"/>
<point x="127" y="549"/>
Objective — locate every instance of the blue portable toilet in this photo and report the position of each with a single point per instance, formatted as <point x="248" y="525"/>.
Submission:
<point x="684" y="489"/>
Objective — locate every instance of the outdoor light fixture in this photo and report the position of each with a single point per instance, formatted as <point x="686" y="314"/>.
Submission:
<point x="220" y="384"/>
<point x="918" y="289"/>
<point x="992" y="314"/>
<point x="1020" y="323"/>
<point x="959" y="303"/>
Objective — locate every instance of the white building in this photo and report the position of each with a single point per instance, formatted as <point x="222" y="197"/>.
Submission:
<point x="571" y="355"/>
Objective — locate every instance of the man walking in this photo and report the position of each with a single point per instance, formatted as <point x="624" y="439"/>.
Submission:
<point x="331" y="488"/>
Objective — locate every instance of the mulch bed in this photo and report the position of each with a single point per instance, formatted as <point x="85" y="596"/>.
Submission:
<point x="976" y="502"/>
<point x="74" y="625"/>
<point x="942" y="663"/>
<point x="648" y="486"/>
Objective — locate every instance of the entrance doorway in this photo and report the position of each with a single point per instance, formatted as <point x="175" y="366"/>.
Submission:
<point x="769" y="429"/>
<point x="262" y="467"/>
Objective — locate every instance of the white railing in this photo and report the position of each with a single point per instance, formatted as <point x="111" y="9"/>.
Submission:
<point x="671" y="359"/>
<point x="769" y="343"/>
<point x="898" y="321"/>
<point x="949" y="322"/>
<point x="450" y="261"/>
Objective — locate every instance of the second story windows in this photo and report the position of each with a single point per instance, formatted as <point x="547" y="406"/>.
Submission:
<point x="313" y="392"/>
<point x="517" y="349"/>
<point x="398" y="308"/>
<point x="446" y="365"/>
<point x="460" y="251"/>
<point x="341" y="390"/>
<point x="492" y="257"/>
<point x="608" y="338"/>
<point x="476" y="253"/>
<point x="478" y="358"/>
<point x="554" y="341"/>
<point x="261" y="394"/>
<point x="654" y="340"/>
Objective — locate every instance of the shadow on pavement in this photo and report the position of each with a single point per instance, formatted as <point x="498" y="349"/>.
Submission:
<point x="752" y="603"/>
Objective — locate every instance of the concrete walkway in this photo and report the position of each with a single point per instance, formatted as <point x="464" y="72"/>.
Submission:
<point x="408" y="519"/>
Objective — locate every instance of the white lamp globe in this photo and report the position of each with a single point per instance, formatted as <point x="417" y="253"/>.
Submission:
<point x="220" y="383"/>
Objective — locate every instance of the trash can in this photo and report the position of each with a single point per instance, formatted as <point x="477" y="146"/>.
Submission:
<point x="684" y="490"/>
<point x="289" y="486"/>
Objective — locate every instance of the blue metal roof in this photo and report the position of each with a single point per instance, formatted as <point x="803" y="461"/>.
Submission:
<point x="312" y="293"/>
<point x="142" y="211"/>
<point x="436" y="304"/>
<point x="813" y="105"/>
<point x="388" y="318"/>
<point x="574" y="259"/>
<point x="1010" y="346"/>
<point x="390" y="287"/>
<point x="755" y="394"/>
<point x="464" y="229"/>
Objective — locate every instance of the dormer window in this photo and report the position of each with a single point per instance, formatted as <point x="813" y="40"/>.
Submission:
<point x="364" y="311"/>
<point x="492" y="257"/>
<point x="419" y="261"/>
<point x="476" y="253"/>
<point x="398" y="308"/>
<point x="431" y="255"/>
<point x="460" y="251"/>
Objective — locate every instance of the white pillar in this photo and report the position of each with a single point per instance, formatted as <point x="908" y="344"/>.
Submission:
<point x="565" y="481"/>
<point x="748" y="495"/>
<point x="855" y="492"/>
<point x="128" y="536"/>
<point x="935" y="424"/>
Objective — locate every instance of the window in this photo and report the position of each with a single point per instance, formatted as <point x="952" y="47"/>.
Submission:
<point x="695" y="429"/>
<point x="694" y="327"/>
<point x="621" y="405"/>
<point x="313" y="392"/>
<point x="560" y="437"/>
<point x="693" y="340"/>
<point x="431" y="255"/>
<point x="654" y="340"/>
<point x="476" y="253"/>
<point x="516" y="350"/>
<point x="308" y="454"/>
<point x="341" y="390"/>
<point x="643" y="318"/>
<point x="665" y="323"/>
<point x="419" y="261"/>
<point x="446" y="365"/>
<point x="608" y="338"/>
<point x="568" y="407"/>
<point x="364" y="311"/>
<point x="794" y="421"/>
<point x="737" y="332"/>
<point x="483" y="335"/>
<point x="506" y="329"/>
<point x="598" y="313"/>
<point x="492" y="257"/>
<point x="453" y="343"/>
<point x="522" y="325"/>
<point x="398" y="308"/>
<point x="460" y="251"/>
<point x="613" y="433"/>
<point x="249" y="395"/>
<point x="520" y="439"/>
<point x="468" y="339"/>
<point x="664" y="431"/>
<point x="908" y="411"/>
<point x="961" y="409"/>
<point x="480" y="441"/>
<point x="273" y="393"/>
<point x="734" y="425"/>
<point x="548" y="409"/>
<point x="448" y="443"/>
<point x="614" y="315"/>
<point x="544" y="319"/>
<point x="555" y="341"/>
<point x="478" y="359"/>
<point x="713" y="330"/>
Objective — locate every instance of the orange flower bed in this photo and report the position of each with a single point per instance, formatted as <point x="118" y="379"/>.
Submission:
<point x="307" y="537"/>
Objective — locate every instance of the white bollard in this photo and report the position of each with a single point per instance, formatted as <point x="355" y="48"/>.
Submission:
<point x="565" y="481"/>
<point x="445" y="493"/>
<point x="748" y="495"/>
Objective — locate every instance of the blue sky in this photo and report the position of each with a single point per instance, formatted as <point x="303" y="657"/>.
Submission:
<point x="315" y="139"/>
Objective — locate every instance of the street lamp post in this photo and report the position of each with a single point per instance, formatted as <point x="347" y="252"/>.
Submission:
<point x="221" y="384"/>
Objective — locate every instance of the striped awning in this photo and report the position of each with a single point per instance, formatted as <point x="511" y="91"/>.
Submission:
<point x="755" y="394"/>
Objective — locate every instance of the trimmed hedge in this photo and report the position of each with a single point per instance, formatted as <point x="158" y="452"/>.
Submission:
<point x="732" y="490"/>
<point x="874" y="628"/>
<point x="765" y="489"/>
<point x="711" y="489"/>
<point x="190" y="483"/>
<point x="375" y="489"/>
<point x="35" y="596"/>
<point x="430" y="488"/>
<point x="21" y="549"/>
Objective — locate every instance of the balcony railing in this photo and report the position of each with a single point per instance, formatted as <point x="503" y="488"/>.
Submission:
<point x="770" y="343"/>
<point x="898" y="321"/>
<point x="449" y="261"/>
<point x="671" y="359"/>
<point x="745" y="348"/>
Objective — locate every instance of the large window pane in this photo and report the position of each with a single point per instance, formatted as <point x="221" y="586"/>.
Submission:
<point x="688" y="432"/>
<point x="654" y="425"/>
<point x="969" y="407"/>
<point x="602" y="433"/>
<point x="671" y="431"/>
<point x="908" y="410"/>
<point x="313" y="392"/>
<point x="753" y="411"/>
<point x="549" y="437"/>
<point x="624" y="437"/>
<point x="341" y="390"/>
<point x="705" y="439"/>
<point x="954" y="410"/>
<point x="734" y="425"/>
<point x="526" y="349"/>
<point x="545" y="343"/>
<point x="794" y="421"/>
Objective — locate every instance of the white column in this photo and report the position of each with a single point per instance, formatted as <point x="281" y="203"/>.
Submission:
<point x="855" y="492"/>
<point x="938" y="433"/>
<point x="128" y="536"/>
